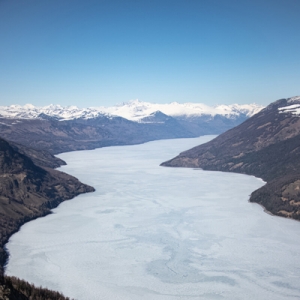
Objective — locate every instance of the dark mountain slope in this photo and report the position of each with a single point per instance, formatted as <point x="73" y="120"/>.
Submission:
<point x="82" y="134"/>
<point x="41" y="158"/>
<point x="207" y="124"/>
<point x="16" y="289"/>
<point x="267" y="146"/>
<point x="28" y="191"/>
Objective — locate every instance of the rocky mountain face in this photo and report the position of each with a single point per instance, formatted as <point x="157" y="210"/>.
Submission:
<point x="29" y="190"/>
<point x="59" y="129"/>
<point x="267" y="145"/>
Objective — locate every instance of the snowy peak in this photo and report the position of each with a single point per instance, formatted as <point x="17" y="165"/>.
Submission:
<point x="293" y="99"/>
<point x="134" y="110"/>
<point x="236" y="109"/>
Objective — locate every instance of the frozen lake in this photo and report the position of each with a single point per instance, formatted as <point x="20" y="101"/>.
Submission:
<point x="151" y="232"/>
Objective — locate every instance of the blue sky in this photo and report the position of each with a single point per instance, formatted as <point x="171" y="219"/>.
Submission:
<point x="94" y="53"/>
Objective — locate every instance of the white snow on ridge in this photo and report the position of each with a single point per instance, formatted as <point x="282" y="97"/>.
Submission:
<point x="294" y="109"/>
<point x="134" y="110"/>
<point x="293" y="99"/>
<point x="29" y="111"/>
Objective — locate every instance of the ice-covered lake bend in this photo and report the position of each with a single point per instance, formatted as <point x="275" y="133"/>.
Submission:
<point x="152" y="232"/>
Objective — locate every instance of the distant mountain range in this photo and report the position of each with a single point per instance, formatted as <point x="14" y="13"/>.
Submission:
<point x="59" y="129"/>
<point x="267" y="145"/>
<point x="134" y="110"/>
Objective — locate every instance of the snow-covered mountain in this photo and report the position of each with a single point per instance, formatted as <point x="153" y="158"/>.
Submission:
<point x="59" y="112"/>
<point x="134" y="110"/>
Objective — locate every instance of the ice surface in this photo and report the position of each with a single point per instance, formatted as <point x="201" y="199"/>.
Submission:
<point x="152" y="232"/>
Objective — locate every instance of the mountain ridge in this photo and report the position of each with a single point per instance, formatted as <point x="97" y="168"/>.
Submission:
<point x="133" y="110"/>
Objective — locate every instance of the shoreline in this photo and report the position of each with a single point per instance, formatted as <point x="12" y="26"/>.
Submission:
<point x="270" y="189"/>
<point x="7" y="255"/>
<point x="12" y="287"/>
<point x="23" y="222"/>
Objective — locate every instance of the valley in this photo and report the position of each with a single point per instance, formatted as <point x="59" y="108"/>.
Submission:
<point x="156" y="119"/>
<point x="264" y="144"/>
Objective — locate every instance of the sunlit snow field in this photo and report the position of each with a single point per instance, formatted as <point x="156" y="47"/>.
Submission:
<point x="151" y="232"/>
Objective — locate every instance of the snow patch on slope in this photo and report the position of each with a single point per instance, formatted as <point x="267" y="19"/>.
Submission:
<point x="293" y="108"/>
